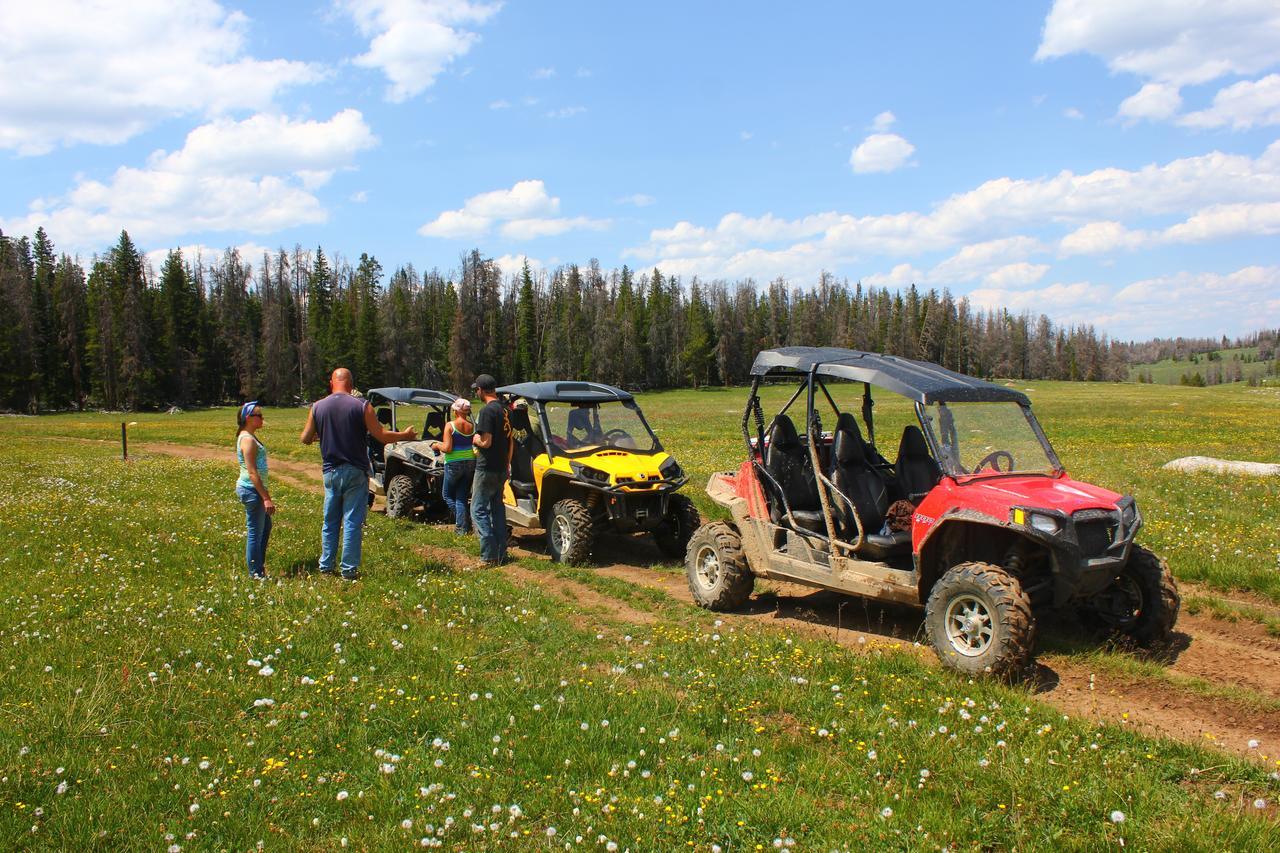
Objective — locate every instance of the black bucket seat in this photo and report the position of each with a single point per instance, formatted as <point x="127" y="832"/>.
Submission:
<point x="527" y="446"/>
<point x="917" y="471"/>
<point x="787" y="461"/>
<point x="867" y="493"/>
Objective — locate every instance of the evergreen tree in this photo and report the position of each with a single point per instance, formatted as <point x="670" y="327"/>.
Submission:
<point x="526" y="362"/>
<point x="368" y="288"/>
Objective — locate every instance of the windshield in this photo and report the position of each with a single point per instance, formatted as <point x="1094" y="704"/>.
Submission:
<point x="989" y="438"/>
<point x="584" y="427"/>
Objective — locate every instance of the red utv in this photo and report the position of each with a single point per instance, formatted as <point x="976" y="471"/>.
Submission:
<point x="975" y="519"/>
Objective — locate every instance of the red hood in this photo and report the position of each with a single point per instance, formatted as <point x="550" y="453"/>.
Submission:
<point x="1062" y="493"/>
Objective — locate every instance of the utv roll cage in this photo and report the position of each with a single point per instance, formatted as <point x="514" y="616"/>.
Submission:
<point x="923" y="383"/>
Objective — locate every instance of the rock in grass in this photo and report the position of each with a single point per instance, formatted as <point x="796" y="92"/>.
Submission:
<point x="1191" y="464"/>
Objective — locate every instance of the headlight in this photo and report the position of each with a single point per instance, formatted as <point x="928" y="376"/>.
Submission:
<point x="670" y="469"/>
<point x="1044" y="523"/>
<point x="586" y="472"/>
<point x="1039" y="521"/>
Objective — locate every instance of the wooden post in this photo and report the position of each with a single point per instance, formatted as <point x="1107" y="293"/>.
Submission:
<point x="124" y="442"/>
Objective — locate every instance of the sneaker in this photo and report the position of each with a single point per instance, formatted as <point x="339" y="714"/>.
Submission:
<point x="258" y="576"/>
<point x="353" y="576"/>
<point x="325" y="571"/>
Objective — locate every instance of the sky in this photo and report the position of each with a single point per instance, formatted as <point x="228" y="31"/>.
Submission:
<point x="1102" y="162"/>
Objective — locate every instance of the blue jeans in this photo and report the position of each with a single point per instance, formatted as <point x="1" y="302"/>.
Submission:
<point x="258" y="529"/>
<point x="457" y="492"/>
<point x="346" y="503"/>
<point x="490" y="514"/>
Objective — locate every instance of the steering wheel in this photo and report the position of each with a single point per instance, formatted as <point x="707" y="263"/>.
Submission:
<point x="993" y="459"/>
<point x="619" y="434"/>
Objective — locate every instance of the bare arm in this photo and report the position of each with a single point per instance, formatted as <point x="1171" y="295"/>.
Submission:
<point x="445" y="446"/>
<point x="385" y="436"/>
<point x="309" y="433"/>
<point x="249" y="448"/>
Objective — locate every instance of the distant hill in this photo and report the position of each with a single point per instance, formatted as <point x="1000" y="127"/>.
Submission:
<point x="1215" y="367"/>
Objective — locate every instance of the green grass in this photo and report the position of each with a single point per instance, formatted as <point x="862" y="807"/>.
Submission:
<point x="130" y="625"/>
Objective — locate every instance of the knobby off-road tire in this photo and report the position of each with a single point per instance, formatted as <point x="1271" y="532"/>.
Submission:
<point x="677" y="528"/>
<point x="979" y="621"/>
<point x="719" y="577"/>
<point x="400" y="497"/>
<point x="569" y="533"/>
<point x="1148" y="596"/>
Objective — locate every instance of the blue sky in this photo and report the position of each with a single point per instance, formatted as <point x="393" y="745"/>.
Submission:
<point x="1102" y="162"/>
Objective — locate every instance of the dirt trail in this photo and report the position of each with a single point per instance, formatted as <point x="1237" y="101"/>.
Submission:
<point x="1223" y="654"/>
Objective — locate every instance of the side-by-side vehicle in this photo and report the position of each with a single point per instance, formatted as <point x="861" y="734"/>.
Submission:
<point x="976" y="518"/>
<point x="409" y="473"/>
<point x="585" y="461"/>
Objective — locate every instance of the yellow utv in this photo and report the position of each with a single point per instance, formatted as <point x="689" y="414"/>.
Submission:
<point x="585" y="462"/>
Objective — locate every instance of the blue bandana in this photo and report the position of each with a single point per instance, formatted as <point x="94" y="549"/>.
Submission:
<point x="247" y="409"/>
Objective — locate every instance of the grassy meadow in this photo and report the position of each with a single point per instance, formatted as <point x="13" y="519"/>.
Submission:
<point x="152" y="696"/>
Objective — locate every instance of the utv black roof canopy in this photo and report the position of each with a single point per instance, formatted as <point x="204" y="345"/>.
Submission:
<point x="565" y="392"/>
<point x="918" y="380"/>
<point x="418" y="396"/>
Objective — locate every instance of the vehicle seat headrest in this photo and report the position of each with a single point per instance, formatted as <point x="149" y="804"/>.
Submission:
<point x="847" y="444"/>
<point x="782" y="433"/>
<point x="913" y="443"/>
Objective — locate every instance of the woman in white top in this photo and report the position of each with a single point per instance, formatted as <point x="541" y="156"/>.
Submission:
<point x="252" y="490"/>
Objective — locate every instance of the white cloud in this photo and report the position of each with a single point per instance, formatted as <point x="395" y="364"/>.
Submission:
<point x="543" y="73"/>
<point x="256" y="175"/>
<point x="530" y="229"/>
<point x="1102" y="237"/>
<point x="1249" y="103"/>
<point x="1171" y="45"/>
<point x="499" y="104"/>
<point x="413" y="41"/>
<point x="513" y="264"/>
<point x="883" y="122"/>
<point x="1153" y="102"/>
<point x="981" y="259"/>
<point x="881" y="152"/>
<point x="582" y="72"/>
<point x="900" y="276"/>
<point x="991" y="217"/>
<point x="745" y="135"/>
<point x="637" y="199"/>
<point x="1074" y="302"/>
<point x="566" y="112"/>
<point x="1183" y="43"/>
<point x="74" y="72"/>
<point x="1215" y="222"/>
<point x="1186" y="303"/>
<point x="1201" y="303"/>
<point x="1072" y="113"/>
<point x="359" y="197"/>
<point x="1015" y="275"/>
<point x="523" y="212"/>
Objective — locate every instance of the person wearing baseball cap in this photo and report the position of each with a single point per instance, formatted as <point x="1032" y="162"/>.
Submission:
<point x="493" y="465"/>
<point x="459" y="463"/>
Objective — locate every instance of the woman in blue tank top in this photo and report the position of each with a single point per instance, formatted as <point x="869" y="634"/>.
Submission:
<point x="251" y="488"/>
<point x="459" y="463"/>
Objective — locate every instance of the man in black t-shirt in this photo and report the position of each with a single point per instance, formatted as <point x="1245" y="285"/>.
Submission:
<point x="493" y="466"/>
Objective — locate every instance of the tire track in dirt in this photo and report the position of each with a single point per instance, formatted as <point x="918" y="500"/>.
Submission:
<point x="1224" y="654"/>
<point x="1221" y="653"/>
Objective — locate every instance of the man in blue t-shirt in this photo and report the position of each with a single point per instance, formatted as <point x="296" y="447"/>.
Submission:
<point x="343" y="423"/>
<point x="493" y="465"/>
